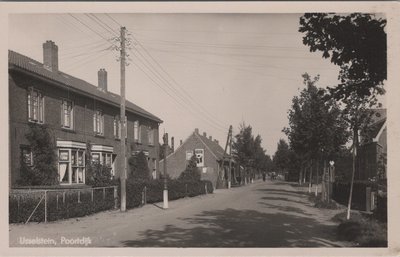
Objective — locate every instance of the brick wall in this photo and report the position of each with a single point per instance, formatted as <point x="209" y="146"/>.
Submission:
<point x="176" y="162"/>
<point x="84" y="108"/>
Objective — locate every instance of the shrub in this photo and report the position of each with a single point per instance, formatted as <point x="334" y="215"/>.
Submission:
<point x="362" y="230"/>
<point x="98" y="175"/>
<point x="191" y="173"/>
<point x="319" y="203"/>
<point x="44" y="169"/>
<point x="139" y="167"/>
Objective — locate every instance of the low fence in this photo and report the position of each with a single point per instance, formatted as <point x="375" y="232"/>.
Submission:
<point x="48" y="205"/>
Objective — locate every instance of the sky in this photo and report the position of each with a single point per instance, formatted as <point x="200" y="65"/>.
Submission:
<point x="205" y="71"/>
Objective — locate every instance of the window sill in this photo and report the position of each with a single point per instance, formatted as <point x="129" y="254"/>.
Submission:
<point x="100" y="136"/>
<point x="71" y="130"/>
<point x="36" y="122"/>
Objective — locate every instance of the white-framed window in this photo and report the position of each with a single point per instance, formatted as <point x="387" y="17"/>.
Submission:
<point x="189" y="155"/>
<point x="27" y="155"/>
<point x="118" y="127"/>
<point x="35" y="106"/>
<point x="98" y="122"/>
<point x="199" y="157"/>
<point x="67" y="114"/>
<point x="150" y="136"/>
<point x="136" y="131"/>
<point x="71" y="166"/>
<point x="104" y="158"/>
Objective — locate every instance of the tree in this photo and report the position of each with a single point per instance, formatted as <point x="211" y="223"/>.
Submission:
<point x="44" y="168"/>
<point x="356" y="43"/>
<point x="282" y="156"/>
<point x="243" y="145"/>
<point x="191" y="172"/>
<point x="139" y="167"/>
<point x="316" y="129"/>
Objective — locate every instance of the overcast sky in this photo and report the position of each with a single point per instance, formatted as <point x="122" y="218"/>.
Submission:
<point x="205" y="71"/>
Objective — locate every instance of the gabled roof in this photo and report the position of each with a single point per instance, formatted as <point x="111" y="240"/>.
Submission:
<point x="19" y="61"/>
<point x="213" y="146"/>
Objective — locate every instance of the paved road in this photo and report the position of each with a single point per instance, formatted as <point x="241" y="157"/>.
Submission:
<point x="263" y="214"/>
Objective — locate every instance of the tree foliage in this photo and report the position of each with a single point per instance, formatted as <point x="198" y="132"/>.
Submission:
<point x="191" y="172"/>
<point x="247" y="149"/>
<point x="282" y="157"/>
<point x="139" y="167"/>
<point x="356" y="43"/>
<point x="316" y="125"/>
<point x="44" y="169"/>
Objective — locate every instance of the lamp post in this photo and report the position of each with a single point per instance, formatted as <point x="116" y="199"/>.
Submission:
<point x="165" y="192"/>
<point x="330" y="179"/>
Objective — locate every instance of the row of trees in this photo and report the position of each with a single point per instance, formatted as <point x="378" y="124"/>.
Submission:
<point x="248" y="152"/>
<point x="322" y="121"/>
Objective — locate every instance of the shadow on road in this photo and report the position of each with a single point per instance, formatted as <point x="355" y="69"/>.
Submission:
<point x="239" y="228"/>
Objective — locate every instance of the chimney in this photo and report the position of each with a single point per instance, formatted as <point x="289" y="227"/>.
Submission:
<point x="210" y="137"/>
<point x="166" y="136"/>
<point x="50" y="55"/>
<point x="173" y="144"/>
<point x="216" y="141"/>
<point x="196" y="130"/>
<point x="180" y="142"/>
<point x="204" y="134"/>
<point x="102" y="76"/>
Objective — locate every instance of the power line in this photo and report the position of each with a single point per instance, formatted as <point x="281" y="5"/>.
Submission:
<point x="172" y="79"/>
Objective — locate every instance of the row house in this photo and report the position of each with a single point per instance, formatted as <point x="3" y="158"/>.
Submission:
<point x="77" y="113"/>
<point x="211" y="163"/>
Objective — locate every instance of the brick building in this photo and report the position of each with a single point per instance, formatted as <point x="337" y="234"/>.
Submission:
<point x="209" y="157"/>
<point x="373" y="149"/>
<point x="77" y="113"/>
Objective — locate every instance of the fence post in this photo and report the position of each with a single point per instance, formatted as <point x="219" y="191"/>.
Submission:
<point x="145" y="194"/>
<point x="63" y="197"/>
<point x="92" y="193"/>
<point x="79" y="196"/>
<point x="205" y="186"/>
<point x="57" y="201"/>
<point x="104" y="193"/>
<point x="115" y="197"/>
<point x="368" y="199"/>
<point x="45" y="206"/>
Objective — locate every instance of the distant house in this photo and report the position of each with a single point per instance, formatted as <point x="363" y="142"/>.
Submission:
<point x="209" y="154"/>
<point x="77" y="113"/>
<point x="373" y="149"/>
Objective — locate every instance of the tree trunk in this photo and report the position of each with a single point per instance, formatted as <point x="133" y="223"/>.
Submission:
<point x="310" y="180"/>
<point x="316" y="184"/>
<point x="355" y="146"/>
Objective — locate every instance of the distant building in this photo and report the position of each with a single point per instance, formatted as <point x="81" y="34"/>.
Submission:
<point x="77" y="113"/>
<point x="373" y="150"/>
<point x="209" y="156"/>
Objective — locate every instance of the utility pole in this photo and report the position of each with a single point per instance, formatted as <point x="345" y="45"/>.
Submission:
<point x="230" y="158"/>
<point x="123" y="124"/>
<point x="165" y="192"/>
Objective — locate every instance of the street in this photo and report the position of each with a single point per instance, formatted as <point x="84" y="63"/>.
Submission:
<point x="263" y="214"/>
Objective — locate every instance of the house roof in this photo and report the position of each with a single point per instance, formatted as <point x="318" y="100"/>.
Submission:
<point x="213" y="146"/>
<point x="19" y="61"/>
<point x="376" y="125"/>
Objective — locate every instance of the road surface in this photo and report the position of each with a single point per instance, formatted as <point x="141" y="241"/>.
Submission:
<point x="263" y="214"/>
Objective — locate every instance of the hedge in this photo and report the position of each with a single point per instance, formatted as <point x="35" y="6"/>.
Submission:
<point x="381" y="208"/>
<point x="154" y="190"/>
<point x="64" y="206"/>
<point x="341" y="191"/>
<point x="59" y="205"/>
